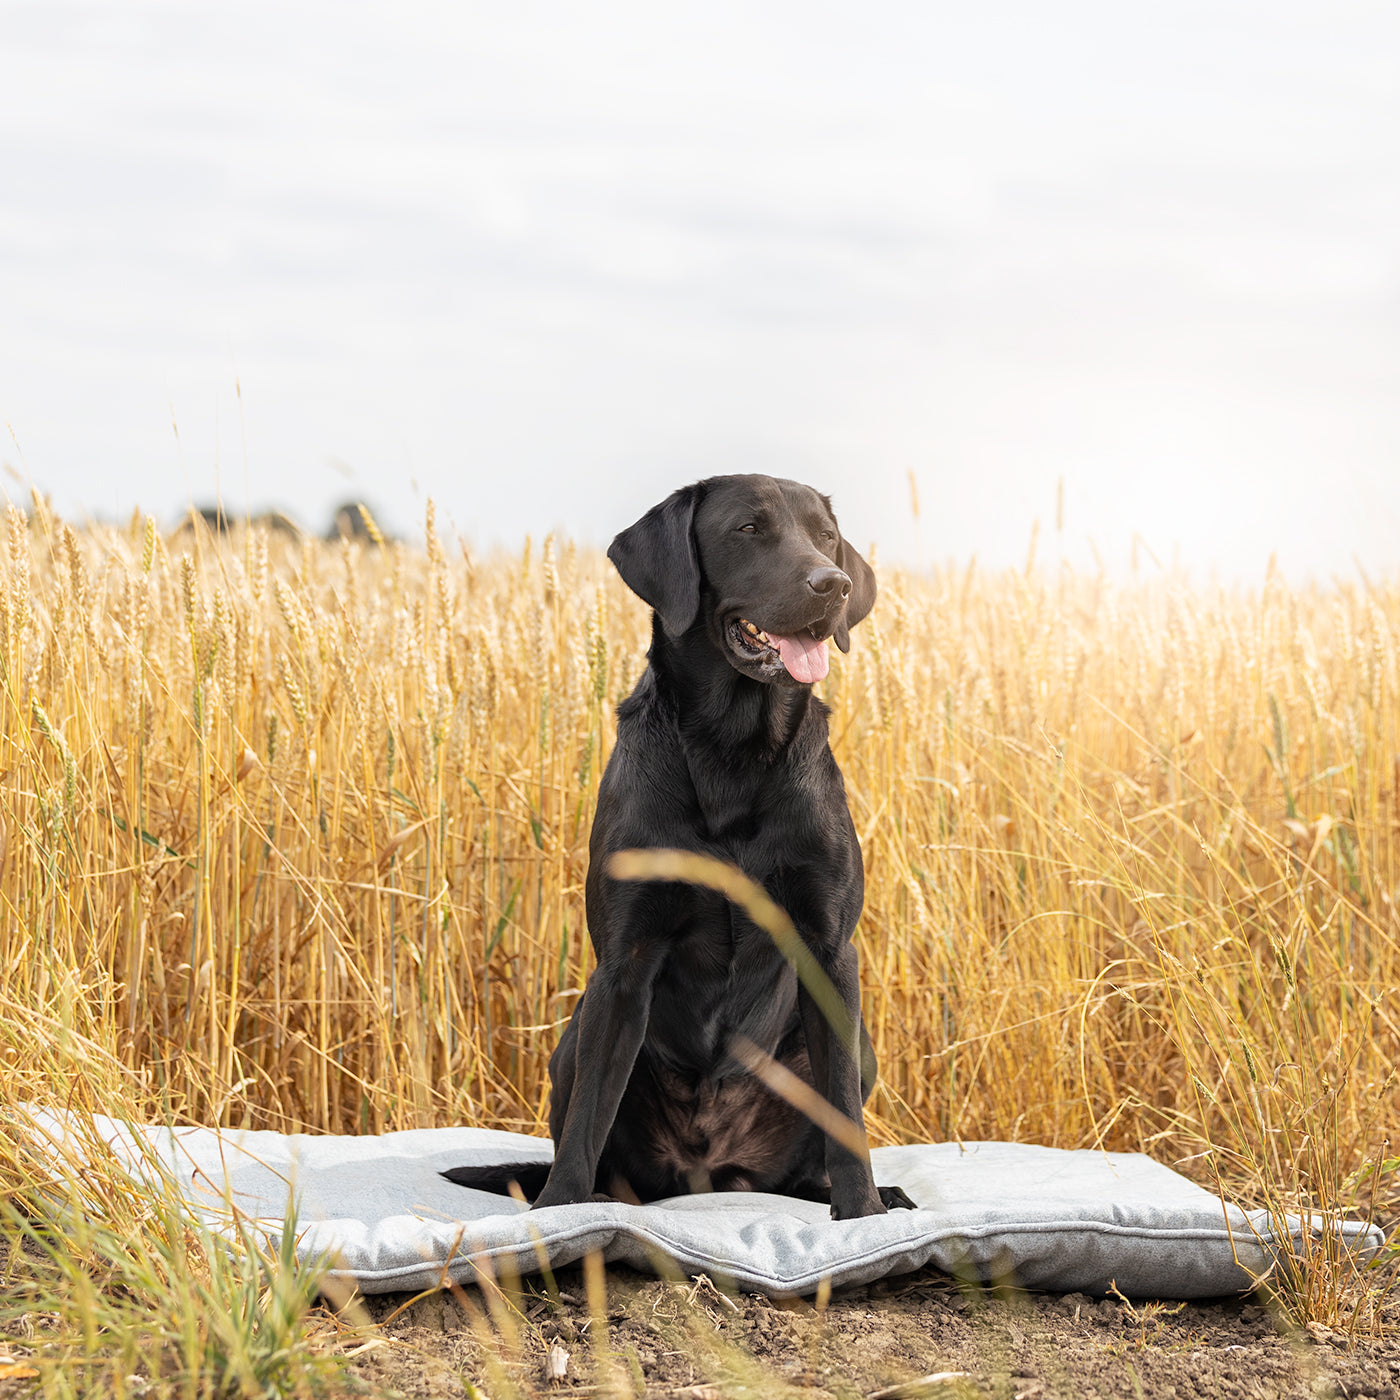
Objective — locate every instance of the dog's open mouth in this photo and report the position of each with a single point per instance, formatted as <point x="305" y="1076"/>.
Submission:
<point x="802" y="655"/>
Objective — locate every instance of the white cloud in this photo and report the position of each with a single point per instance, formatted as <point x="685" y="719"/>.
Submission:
<point x="547" y="261"/>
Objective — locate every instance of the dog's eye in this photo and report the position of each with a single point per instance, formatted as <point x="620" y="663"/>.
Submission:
<point x="827" y="535"/>
<point x="749" y="529"/>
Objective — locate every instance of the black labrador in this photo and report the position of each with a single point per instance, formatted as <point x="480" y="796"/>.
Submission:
<point x="721" y="749"/>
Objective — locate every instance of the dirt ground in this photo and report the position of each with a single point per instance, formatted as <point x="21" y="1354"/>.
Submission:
<point x="916" y="1335"/>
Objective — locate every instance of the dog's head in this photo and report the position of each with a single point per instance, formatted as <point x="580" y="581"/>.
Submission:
<point x="760" y="564"/>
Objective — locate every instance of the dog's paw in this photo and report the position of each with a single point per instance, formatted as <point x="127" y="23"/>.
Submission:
<point x="859" y="1211"/>
<point x="895" y="1199"/>
<point x="555" y="1195"/>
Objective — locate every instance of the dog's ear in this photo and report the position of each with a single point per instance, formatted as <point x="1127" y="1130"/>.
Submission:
<point x="657" y="560"/>
<point x="862" y="597"/>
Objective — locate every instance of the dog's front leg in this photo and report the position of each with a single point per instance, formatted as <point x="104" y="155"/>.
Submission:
<point x="836" y="1075"/>
<point x="612" y="1022"/>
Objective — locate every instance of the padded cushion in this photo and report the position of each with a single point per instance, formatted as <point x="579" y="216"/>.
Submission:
<point x="1036" y="1216"/>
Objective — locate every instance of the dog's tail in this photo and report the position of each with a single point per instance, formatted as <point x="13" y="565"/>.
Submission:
<point x="529" y="1176"/>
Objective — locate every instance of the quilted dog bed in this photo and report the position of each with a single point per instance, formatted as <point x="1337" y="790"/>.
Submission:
<point x="1043" y="1218"/>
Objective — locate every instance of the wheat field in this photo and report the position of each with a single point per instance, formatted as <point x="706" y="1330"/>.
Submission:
<point x="295" y="835"/>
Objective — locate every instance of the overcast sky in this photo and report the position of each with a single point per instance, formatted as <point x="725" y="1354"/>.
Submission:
<point x="546" y="262"/>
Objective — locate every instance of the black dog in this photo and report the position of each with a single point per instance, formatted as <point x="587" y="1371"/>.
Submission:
<point x="721" y="749"/>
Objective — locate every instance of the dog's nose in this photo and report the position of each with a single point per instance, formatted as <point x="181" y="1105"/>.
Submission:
<point x="829" y="583"/>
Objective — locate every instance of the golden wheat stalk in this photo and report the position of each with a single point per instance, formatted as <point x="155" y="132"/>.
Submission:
<point x="297" y="834"/>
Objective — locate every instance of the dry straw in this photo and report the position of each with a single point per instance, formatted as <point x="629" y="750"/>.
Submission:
<point x="297" y="834"/>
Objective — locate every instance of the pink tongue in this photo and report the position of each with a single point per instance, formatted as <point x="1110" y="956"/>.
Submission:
<point x="804" y="657"/>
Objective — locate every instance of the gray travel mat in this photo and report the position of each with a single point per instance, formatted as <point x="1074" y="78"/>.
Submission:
<point x="1038" y="1217"/>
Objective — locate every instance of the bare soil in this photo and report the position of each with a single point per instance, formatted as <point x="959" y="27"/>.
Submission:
<point x="917" y="1335"/>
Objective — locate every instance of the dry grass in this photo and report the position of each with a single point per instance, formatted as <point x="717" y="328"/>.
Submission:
<point x="295" y="836"/>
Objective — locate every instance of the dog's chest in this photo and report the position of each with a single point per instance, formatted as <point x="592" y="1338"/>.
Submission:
<point x="725" y="977"/>
<point x="761" y="813"/>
